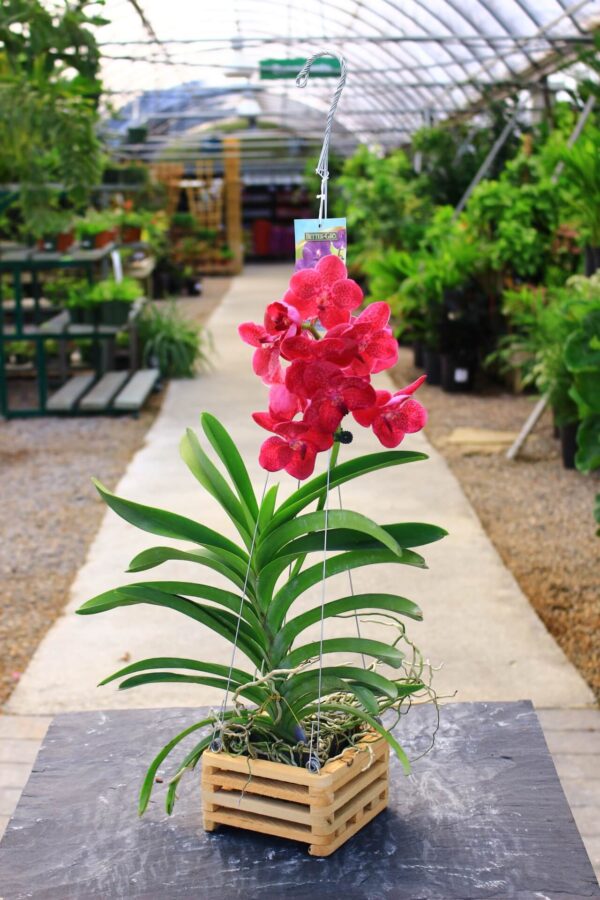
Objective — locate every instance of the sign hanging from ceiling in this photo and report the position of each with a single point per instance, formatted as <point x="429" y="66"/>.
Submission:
<point x="271" y="69"/>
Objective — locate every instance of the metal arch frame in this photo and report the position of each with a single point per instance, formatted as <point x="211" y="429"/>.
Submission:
<point x="383" y="101"/>
<point x="427" y="98"/>
<point x="390" y="102"/>
<point x="397" y="11"/>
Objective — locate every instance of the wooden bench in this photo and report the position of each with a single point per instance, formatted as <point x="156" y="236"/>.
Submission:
<point x="104" y="391"/>
<point x="68" y="396"/>
<point x="135" y="393"/>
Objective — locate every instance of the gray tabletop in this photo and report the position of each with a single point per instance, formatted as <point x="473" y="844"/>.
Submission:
<point x="482" y="816"/>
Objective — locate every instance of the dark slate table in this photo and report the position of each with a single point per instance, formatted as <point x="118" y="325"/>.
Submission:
<point x="483" y="816"/>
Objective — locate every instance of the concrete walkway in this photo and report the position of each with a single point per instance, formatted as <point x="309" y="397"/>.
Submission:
<point x="478" y="624"/>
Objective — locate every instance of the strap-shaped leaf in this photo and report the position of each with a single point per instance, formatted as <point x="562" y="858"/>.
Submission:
<point x="305" y="694"/>
<point x="167" y="524"/>
<point x="267" y="507"/>
<point x="384" y="686"/>
<point x="254" y="694"/>
<point x="224" y="623"/>
<point x="406" y="534"/>
<point x="220" y="561"/>
<point x="287" y="635"/>
<point x="343" y="562"/>
<point x="207" y="592"/>
<point x="316" y="521"/>
<point x="189" y="762"/>
<point x="375" y="725"/>
<point x="383" y="652"/>
<point x="312" y="489"/>
<point x="230" y="457"/>
<point x="148" y="783"/>
<point x="205" y="471"/>
<point x="238" y="676"/>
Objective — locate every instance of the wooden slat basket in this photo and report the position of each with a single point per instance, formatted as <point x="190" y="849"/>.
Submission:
<point x="323" y="810"/>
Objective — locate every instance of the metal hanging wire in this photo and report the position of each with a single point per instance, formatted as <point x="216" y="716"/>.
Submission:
<point x="301" y="82"/>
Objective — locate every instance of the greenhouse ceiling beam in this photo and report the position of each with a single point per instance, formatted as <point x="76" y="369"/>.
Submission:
<point x="365" y="39"/>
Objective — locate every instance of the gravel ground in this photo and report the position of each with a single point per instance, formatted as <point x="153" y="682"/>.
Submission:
<point x="538" y="515"/>
<point x="50" y="512"/>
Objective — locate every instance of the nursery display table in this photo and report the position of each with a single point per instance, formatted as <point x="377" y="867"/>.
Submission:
<point x="483" y="816"/>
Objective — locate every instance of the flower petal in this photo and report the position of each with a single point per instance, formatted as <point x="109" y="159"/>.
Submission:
<point x="330" y="269"/>
<point x="275" y="454"/>
<point x="251" y="333"/>
<point x="346" y="294"/>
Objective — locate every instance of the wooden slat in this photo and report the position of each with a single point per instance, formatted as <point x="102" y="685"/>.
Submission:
<point x="265" y="787"/>
<point x="67" y="397"/>
<point x="102" y="394"/>
<point x="136" y="391"/>
<point x="263" y="806"/>
<point x="323" y="810"/>
<point x="318" y="849"/>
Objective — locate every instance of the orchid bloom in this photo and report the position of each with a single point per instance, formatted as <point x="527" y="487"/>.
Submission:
<point x="376" y="347"/>
<point x="332" y="394"/>
<point x="324" y="292"/>
<point x="294" y="448"/>
<point x="280" y="321"/>
<point x="394" y="415"/>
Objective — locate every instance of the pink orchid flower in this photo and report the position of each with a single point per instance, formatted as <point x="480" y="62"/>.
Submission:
<point x="281" y="321"/>
<point x="376" y="347"/>
<point x="394" y="415"/>
<point x="294" y="448"/>
<point x="332" y="394"/>
<point x="324" y="292"/>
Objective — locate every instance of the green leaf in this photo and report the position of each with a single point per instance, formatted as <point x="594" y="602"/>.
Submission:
<point x="267" y="507"/>
<point x="312" y="489"/>
<point x="220" y="561"/>
<point x="230" y="457"/>
<point x="373" y="680"/>
<point x="355" y="603"/>
<point x="406" y="534"/>
<point x="255" y="694"/>
<point x="227" y="599"/>
<point x="148" y="783"/>
<point x="343" y="562"/>
<point x="189" y="762"/>
<point x="383" y="652"/>
<point x="238" y="676"/>
<point x="218" y="620"/>
<point x="211" y="480"/>
<point x="269" y="547"/>
<point x="587" y="458"/>
<point x="375" y="725"/>
<point x="167" y="524"/>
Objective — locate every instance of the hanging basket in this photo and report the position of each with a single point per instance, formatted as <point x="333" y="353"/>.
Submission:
<point x="323" y="810"/>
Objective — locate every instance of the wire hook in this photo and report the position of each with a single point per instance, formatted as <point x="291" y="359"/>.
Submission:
<point x="301" y="82"/>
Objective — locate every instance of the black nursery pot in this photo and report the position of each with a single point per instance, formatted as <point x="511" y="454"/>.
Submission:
<point x="458" y="373"/>
<point x="568" y="444"/>
<point x="418" y="354"/>
<point x="592" y="260"/>
<point x="432" y="363"/>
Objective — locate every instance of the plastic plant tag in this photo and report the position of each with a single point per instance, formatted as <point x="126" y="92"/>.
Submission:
<point x="318" y="238"/>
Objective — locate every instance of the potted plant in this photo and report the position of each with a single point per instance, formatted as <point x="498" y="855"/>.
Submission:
<point x="96" y="230"/>
<point x="131" y="222"/>
<point x="171" y="342"/>
<point x="582" y="191"/>
<point x="314" y="738"/>
<point x="582" y="358"/>
<point x="54" y="231"/>
<point x="114" y="299"/>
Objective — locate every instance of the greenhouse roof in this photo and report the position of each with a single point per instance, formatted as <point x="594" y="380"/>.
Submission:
<point x="410" y="62"/>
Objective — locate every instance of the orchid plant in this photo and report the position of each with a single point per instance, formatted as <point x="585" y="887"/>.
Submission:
<point x="317" y="359"/>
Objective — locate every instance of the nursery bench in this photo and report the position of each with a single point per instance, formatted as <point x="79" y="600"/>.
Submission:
<point x="482" y="816"/>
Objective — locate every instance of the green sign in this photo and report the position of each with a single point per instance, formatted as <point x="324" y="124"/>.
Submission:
<point x="271" y="69"/>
